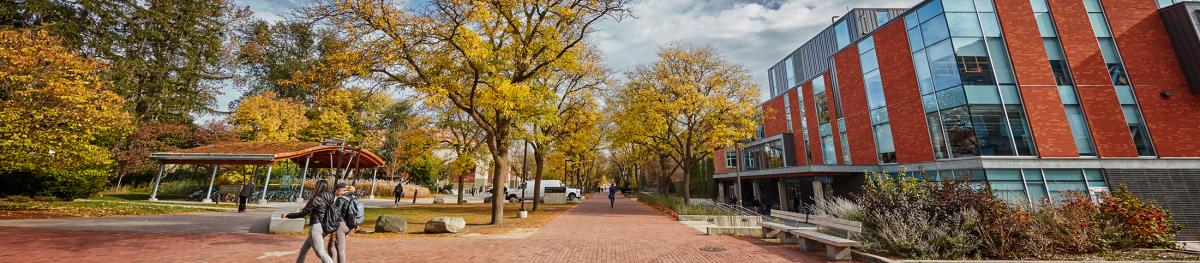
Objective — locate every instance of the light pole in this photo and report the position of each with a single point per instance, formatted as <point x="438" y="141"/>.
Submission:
<point x="524" y="172"/>
<point x="737" y="148"/>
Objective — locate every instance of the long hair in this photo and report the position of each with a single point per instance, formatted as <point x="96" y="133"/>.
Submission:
<point x="321" y="187"/>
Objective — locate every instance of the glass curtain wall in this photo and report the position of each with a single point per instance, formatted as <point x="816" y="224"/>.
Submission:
<point x="876" y="102"/>
<point x="828" y="153"/>
<point x="1120" y="80"/>
<point x="968" y="89"/>
<point x="1028" y="186"/>
<point x="1062" y="77"/>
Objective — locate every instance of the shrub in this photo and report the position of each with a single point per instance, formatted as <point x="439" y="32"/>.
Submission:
<point x="907" y="217"/>
<point x="45" y="199"/>
<point x="19" y="199"/>
<point x="838" y="207"/>
<point x="1131" y="223"/>
<point x="676" y="204"/>
<point x="57" y="183"/>
<point x="1073" y="223"/>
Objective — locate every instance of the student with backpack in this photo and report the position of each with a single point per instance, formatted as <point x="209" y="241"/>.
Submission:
<point x="398" y="192"/>
<point x="315" y="209"/>
<point x="348" y="213"/>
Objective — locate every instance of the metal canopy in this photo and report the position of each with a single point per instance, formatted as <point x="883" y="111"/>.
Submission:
<point x="259" y="153"/>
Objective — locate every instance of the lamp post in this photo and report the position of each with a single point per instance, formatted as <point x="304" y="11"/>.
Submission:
<point x="524" y="171"/>
<point x="737" y="148"/>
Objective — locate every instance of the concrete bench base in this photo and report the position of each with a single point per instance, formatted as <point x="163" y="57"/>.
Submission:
<point x="284" y="225"/>
<point x="733" y="230"/>
<point x="836" y="248"/>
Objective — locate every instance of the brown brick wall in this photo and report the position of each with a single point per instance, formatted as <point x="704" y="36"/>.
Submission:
<point x="1094" y="86"/>
<point x="774" y="118"/>
<point x="837" y="136"/>
<point x="814" y="135"/>
<point x="854" y="106"/>
<point x="1047" y="119"/>
<point x="910" y="134"/>
<point x="797" y="133"/>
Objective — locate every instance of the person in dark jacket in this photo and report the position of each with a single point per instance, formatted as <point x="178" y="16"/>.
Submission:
<point x="398" y="192"/>
<point x="315" y="210"/>
<point x="343" y="205"/>
<point x="612" y="196"/>
<point x="247" y="192"/>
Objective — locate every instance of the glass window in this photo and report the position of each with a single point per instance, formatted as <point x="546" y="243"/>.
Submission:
<point x="973" y="64"/>
<point x="924" y="79"/>
<point x="1092" y="6"/>
<point x="730" y="159"/>
<point x="1061" y="181"/>
<point x="1125" y="95"/>
<point x="929" y="10"/>
<point x="959" y="132"/>
<point x="1079" y="129"/>
<point x="910" y="20"/>
<point x="991" y="26"/>
<point x="1007" y="185"/>
<point x="982" y="94"/>
<point x="1000" y="61"/>
<point x="942" y="65"/>
<point x="984" y="6"/>
<point x="818" y="84"/>
<point x="879" y="116"/>
<point x="1099" y="25"/>
<point x="914" y="39"/>
<point x="958" y="6"/>
<point x="843" y="34"/>
<point x="1053" y="49"/>
<point x="991" y="130"/>
<point x="822" y="105"/>
<point x="1010" y="95"/>
<point x="874" y="86"/>
<point x="828" y="154"/>
<point x="883" y="143"/>
<point x="881" y="17"/>
<point x="935" y="135"/>
<point x="935" y="30"/>
<point x="868" y="61"/>
<point x="951" y="98"/>
<point x="1045" y="24"/>
<point x="930" y="103"/>
<point x="790" y="72"/>
<point x="1039" y="6"/>
<point x="867" y="44"/>
<point x="1020" y="130"/>
<point x="1141" y="140"/>
<point x="963" y="24"/>
<point x="1094" y="178"/>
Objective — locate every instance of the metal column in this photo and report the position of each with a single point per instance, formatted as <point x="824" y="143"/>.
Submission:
<point x="373" y="182"/>
<point x="208" y="195"/>
<point x="266" y="183"/>
<point x="157" y="180"/>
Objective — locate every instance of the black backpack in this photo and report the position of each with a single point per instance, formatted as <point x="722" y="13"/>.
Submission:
<point x="332" y="217"/>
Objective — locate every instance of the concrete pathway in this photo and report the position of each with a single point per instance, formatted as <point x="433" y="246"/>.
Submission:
<point x="590" y="232"/>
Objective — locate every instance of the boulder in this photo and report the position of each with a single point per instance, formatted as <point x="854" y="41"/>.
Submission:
<point x="445" y="224"/>
<point x="439" y="200"/>
<point x="487" y="200"/>
<point x="390" y="224"/>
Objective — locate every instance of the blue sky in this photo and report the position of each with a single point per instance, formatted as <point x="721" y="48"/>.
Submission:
<point x="754" y="33"/>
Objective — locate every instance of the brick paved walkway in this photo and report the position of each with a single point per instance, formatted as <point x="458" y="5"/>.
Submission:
<point x="590" y="232"/>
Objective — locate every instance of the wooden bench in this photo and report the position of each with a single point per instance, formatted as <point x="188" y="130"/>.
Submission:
<point x="781" y="230"/>
<point x="836" y="248"/>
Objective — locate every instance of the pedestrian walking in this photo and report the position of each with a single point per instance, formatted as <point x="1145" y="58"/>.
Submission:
<point x="398" y="192"/>
<point x="245" y="194"/>
<point x="345" y="210"/>
<point x="315" y="210"/>
<point x="612" y="196"/>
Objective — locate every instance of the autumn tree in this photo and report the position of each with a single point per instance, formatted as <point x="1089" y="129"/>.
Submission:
<point x="57" y="114"/>
<point x="266" y="118"/>
<point x="480" y="56"/>
<point x="690" y="102"/>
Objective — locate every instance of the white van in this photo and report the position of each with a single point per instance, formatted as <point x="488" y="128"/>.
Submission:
<point x="514" y="195"/>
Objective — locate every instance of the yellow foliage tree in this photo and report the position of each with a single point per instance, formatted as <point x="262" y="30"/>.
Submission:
<point x="56" y="112"/>
<point x="688" y="103"/>
<point x="479" y="56"/>
<point x="264" y="117"/>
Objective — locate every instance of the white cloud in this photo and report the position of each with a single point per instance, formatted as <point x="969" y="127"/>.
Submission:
<point x="756" y="34"/>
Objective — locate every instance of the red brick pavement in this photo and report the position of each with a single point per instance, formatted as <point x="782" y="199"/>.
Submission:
<point x="590" y="232"/>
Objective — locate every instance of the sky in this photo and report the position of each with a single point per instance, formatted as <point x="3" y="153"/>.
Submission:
<point x="753" y="33"/>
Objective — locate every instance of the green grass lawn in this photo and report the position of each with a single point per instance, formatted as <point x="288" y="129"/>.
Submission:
<point x="477" y="216"/>
<point x="28" y="210"/>
<point x="143" y="198"/>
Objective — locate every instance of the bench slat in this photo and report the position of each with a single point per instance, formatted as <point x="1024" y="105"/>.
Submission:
<point x="825" y="238"/>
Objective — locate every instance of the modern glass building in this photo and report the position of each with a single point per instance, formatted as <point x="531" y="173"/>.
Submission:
<point x="1032" y="98"/>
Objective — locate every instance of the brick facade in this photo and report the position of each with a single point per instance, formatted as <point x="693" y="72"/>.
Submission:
<point x="854" y="107"/>
<point x="774" y="117"/>
<point x="910" y="133"/>
<point x="797" y="133"/>
<point x="837" y="136"/>
<point x="1039" y="93"/>
<point x="814" y="135"/>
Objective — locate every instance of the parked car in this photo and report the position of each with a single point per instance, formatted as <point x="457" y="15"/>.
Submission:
<point x="514" y="194"/>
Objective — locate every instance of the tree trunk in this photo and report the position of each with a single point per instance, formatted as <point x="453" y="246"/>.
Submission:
<point x="539" y="161"/>
<point x="461" y="181"/>
<point x="662" y="175"/>
<point x="687" y="180"/>
<point x="499" y="149"/>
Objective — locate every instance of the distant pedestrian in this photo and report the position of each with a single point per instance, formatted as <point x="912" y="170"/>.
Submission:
<point x="315" y="210"/>
<point x="398" y="192"/>
<point x="247" y="192"/>
<point x="612" y="196"/>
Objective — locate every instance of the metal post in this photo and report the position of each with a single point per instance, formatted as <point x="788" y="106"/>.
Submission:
<point x="266" y="183"/>
<point x="304" y="176"/>
<point x="737" y="148"/>
<point x="373" y="173"/>
<point x="208" y="195"/>
<point x="524" y="172"/>
<point x="157" y="180"/>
